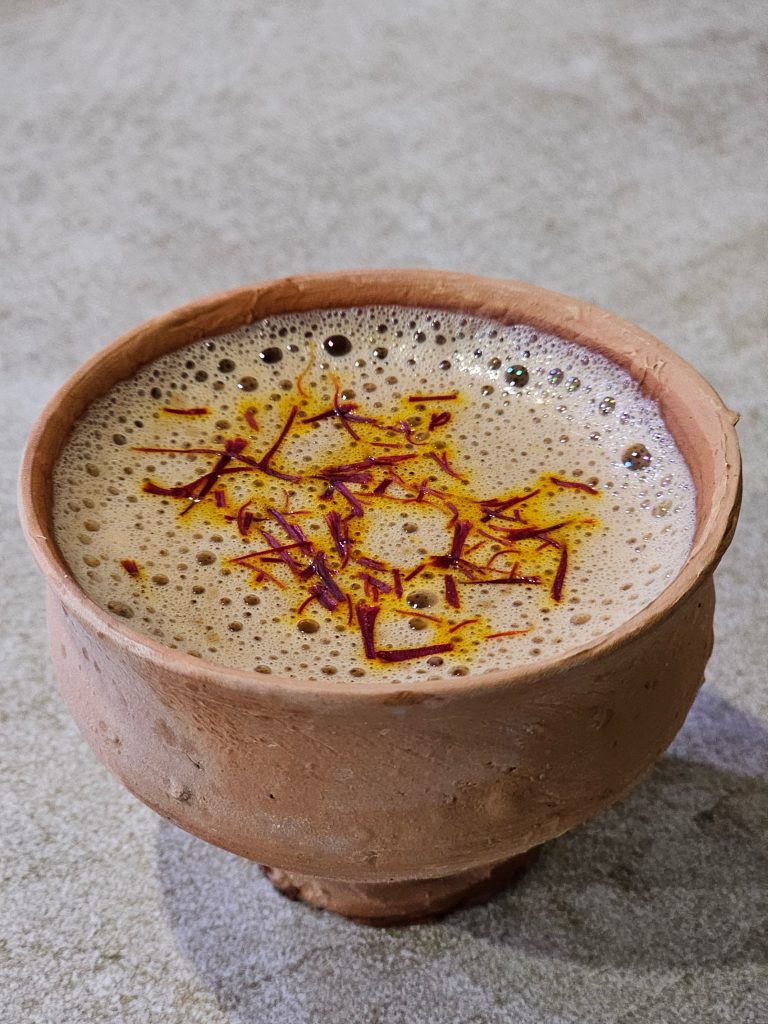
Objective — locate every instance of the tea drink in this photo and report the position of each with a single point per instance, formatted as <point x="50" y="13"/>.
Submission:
<point x="375" y="493"/>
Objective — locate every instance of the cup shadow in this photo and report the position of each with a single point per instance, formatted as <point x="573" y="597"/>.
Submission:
<point x="673" y="878"/>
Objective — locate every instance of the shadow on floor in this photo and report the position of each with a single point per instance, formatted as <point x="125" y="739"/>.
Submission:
<point x="674" y="879"/>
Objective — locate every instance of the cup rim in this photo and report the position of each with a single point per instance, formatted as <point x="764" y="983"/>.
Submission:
<point x="662" y="374"/>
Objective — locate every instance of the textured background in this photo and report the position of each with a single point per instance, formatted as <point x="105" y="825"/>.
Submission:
<point x="611" y="149"/>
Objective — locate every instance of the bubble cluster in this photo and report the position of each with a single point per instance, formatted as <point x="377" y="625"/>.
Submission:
<point x="606" y="406"/>
<point x="529" y="405"/>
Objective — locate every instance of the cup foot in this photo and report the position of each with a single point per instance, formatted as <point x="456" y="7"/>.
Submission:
<point x="381" y="904"/>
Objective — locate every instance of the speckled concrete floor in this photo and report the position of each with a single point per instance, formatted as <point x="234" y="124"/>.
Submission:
<point x="615" y="151"/>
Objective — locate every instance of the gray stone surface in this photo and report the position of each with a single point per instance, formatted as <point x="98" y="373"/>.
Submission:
<point x="152" y="152"/>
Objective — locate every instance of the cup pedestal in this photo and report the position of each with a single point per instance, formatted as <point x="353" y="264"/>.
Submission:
<point x="408" y="902"/>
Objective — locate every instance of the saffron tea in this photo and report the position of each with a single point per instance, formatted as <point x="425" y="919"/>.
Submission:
<point x="374" y="493"/>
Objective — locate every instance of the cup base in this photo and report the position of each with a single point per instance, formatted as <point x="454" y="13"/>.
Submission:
<point x="382" y="904"/>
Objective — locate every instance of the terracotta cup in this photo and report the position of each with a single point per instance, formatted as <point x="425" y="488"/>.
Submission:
<point x="390" y="802"/>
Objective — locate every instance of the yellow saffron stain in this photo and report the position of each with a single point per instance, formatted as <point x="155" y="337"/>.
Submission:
<point x="518" y="536"/>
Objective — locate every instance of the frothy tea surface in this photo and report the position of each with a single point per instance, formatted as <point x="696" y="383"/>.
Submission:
<point x="377" y="493"/>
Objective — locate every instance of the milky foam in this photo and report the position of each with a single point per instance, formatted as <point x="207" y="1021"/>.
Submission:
<point x="529" y="407"/>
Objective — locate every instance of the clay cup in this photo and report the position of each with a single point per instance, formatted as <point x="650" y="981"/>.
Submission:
<point x="390" y="802"/>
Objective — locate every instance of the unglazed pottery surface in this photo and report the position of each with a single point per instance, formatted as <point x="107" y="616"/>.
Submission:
<point x="345" y="790"/>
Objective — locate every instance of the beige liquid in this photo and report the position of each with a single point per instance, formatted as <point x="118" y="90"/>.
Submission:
<point x="167" y="563"/>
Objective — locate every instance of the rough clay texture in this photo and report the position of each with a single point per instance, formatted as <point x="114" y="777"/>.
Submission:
<point x="611" y="151"/>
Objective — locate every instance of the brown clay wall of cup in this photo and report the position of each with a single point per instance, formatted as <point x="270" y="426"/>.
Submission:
<point x="401" y="786"/>
<point x="371" y="782"/>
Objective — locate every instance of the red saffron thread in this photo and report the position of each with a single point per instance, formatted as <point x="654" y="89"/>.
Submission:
<point x="264" y="462"/>
<point x="527" y="532"/>
<point x="418" y="615"/>
<point x="271" y="551"/>
<point x="232" y="449"/>
<point x="559" y="580"/>
<point x="326" y="600"/>
<point x="499" y="554"/>
<point x="493" y="506"/>
<point x="284" y="556"/>
<point x="444" y="464"/>
<point x="339" y="532"/>
<point x="451" y="593"/>
<point x="461" y="625"/>
<point x="370" y="563"/>
<point x="300" y="377"/>
<point x="415" y="572"/>
<point x="433" y="398"/>
<point x="406" y="654"/>
<point x="197" y="411"/>
<point x="366" y="618"/>
<point x="438" y="419"/>
<point x="262" y="574"/>
<point x="512" y="578"/>
<point x="244" y="518"/>
<point x="507" y="632"/>
<point x="374" y="583"/>
<point x="321" y="570"/>
<point x="575" y="484"/>
<point x="305" y="604"/>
